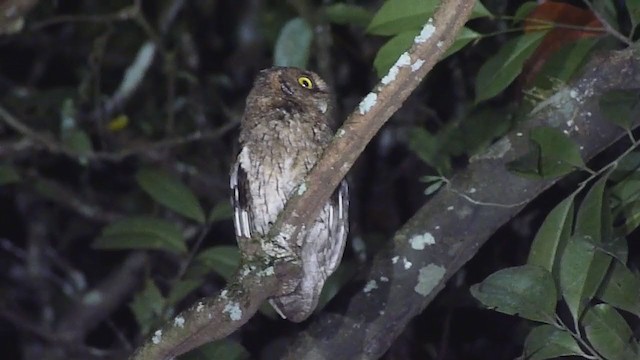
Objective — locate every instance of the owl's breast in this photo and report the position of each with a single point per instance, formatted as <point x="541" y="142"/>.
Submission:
<point x="275" y="164"/>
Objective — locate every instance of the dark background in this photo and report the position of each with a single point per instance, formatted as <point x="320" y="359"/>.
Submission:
<point x="216" y="48"/>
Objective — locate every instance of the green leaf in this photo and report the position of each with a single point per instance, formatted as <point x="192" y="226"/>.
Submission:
<point x="552" y="154"/>
<point x="524" y="10"/>
<point x="631" y="210"/>
<point x="347" y="14"/>
<point x="527" y="291"/>
<point x="583" y="266"/>
<point x="397" y="16"/>
<point x="222" y="211"/>
<point x="564" y="63"/>
<point x="633" y="6"/>
<point x="609" y="333"/>
<point x="502" y="68"/>
<point x="621" y="106"/>
<point x="147" y="306"/>
<point x="480" y="11"/>
<point x="548" y="342"/>
<point x="171" y="193"/>
<point x="582" y="269"/>
<point x="391" y="51"/>
<point x="181" y="289"/>
<point x="427" y="147"/>
<point x="78" y="141"/>
<point x="552" y="236"/>
<point x="8" y="174"/>
<point x="294" y="44"/>
<point x="141" y="233"/>
<point x="434" y="187"/>
<point x="223" y="260"/>
<point x="464" y="37"/>
<point x="589" y="220"/>
<point x="557" y="151"/>
<point x="219" y="350"/>
<point x="621" y="289"/>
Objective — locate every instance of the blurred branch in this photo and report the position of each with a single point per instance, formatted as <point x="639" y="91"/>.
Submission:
<point x="213" y="318"/>
<point x="34" y="139"/>
<point x="98" y="303"/>
<point x="12" y="14"/>
<point x="136" y="72"/>
<point x="124" y="14"/>
<point x="69" y="199"/>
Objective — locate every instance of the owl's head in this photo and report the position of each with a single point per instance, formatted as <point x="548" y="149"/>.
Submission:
<point x="303" y="90"/>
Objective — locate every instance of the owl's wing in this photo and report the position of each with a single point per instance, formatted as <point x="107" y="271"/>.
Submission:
<point x="239" y="201"/>
<point x="338" y="225"/>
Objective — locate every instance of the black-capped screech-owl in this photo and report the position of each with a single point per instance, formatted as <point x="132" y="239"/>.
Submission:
<point x="287" y="124"/>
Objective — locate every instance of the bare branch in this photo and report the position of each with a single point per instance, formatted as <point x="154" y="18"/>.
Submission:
<point x="216" y="318"/>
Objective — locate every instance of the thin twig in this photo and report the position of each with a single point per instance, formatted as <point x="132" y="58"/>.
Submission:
<point x="33" y="137"/>
<point x="610" y="29"/>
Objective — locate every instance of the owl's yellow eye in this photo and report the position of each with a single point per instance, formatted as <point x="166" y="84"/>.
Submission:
<point x="305" y="82"/>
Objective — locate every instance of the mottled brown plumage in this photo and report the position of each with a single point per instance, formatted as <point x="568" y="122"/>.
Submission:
<point x="284" y="130"/>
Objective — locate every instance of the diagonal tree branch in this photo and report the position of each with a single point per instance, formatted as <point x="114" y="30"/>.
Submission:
<point x="449" y="230"/>
<point x="263" y="277"/>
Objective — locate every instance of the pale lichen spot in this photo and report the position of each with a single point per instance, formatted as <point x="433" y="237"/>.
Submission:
<point x="440" y="44"/>
<point x="420" y="241"/>
<point x="437" y="227"/>
<point x="341" y="133"/>
<point x="395" y="259"/>
<point x="178" y="321"/>
<point x="269" y="271"/>
<point x="234" y="311"/>
<point x="302" y="189"/>
<point x="246" y="270"/>
<point x="574" y="94"/>
<point x="472" y="190"/>
<point x="428" y="277"/>
<point x="381" y="312"/>
<point x="519" y="134"/>
<point x="427" y="31"/>
<point x="370" y="286"/>
<point x="157" y="337"/>
<point x="495" y="151"/>
<point x="417" y="65"/>
<point x="223" y="294"/>
<point x="367" y="103"/>
<point x="200" y="306"/>
<point x="384" y="279"/>
<point x="403" y="60"/>
<point x="450" y="208"/>
<point x="407" y="263"/>
<point x="93" y="297"/>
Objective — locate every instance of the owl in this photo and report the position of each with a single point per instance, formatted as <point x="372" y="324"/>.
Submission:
<point x="286" y="126"/>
